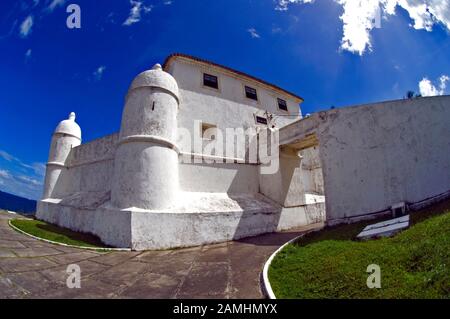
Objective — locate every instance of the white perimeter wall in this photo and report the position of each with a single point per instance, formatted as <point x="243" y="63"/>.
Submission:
<point x="91" y="169"/>
<point x="379" y="154"/>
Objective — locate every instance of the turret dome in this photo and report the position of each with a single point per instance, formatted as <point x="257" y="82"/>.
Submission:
<point x="156" y="77"/>
<point x="69" y="127"/>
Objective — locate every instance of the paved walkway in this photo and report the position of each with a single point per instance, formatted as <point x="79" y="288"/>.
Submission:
<point x="33" y="269"/>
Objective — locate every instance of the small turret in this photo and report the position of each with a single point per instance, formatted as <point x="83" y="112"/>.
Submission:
<point x="146" y="161"/>
<point x="66" y="136"/>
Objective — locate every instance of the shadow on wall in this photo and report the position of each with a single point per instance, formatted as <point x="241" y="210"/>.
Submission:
<point x="230" y="178"/>
<point x="264" y="211"/>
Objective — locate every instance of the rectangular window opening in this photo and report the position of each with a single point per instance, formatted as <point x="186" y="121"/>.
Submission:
<point x="210" y="81"/>
<point x="261" y="120"/>
<point x="282" y="105"/>
<point x="251" y="93"/>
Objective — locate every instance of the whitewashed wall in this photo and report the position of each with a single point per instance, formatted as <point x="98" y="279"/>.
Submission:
<point x="227" y="107"/>
<point x="219" y="178"/>
<point x="379" y="154"/>
<point x="90" y="168"/>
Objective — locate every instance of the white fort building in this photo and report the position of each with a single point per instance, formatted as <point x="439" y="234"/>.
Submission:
<point x="208" y="154"/>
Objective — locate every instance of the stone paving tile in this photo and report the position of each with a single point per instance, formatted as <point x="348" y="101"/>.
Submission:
<point x="245" y="257"/>
<point x="89" y="268"/>
<point x="10" y="244"/>
<point x="114" y="258"/>
<point x="123" y="274"/>
<point x="154" y="286"/>
<point x="25" y="264"/>
<point x="70" y="258"/>
<point x="36" y="252"/>
<point x="186" y="255"/>
<point x="37" y="244"/>
<point x="214" y="254"/>
<point x="90" y="289"/>
<point x="68" y="249"/>
<point x="3" y="233"/>
<point x="59" y="275"/>
<point x="32" y="281"/>
<point x="9" y="290"/>
<point x="6" y="253"/>
<point x="152" y="255"/>
<point x="11" y="237"/>
<point x="178" y="263"/>
<point x="245" y="284"/>
<point x="205" y="278"/>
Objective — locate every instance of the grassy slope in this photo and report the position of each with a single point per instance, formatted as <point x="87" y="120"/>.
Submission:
<point x="61" y="235"/>
<point x="328" y="264"/>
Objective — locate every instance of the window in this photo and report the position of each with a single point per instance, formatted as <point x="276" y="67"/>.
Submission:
<point x="251" y="93"/>
<point x="210" y="81"/>
<point x="208" y="131"/>
<point x="261" y="120"/>
<point x="282" y="105"/>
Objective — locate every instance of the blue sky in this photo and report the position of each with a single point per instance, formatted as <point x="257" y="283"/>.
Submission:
<point x="324" y="50"/>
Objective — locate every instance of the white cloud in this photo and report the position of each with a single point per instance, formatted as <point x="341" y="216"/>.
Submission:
<point x="98" y="74"/>
<point x="7" y="156"/>
<point x="276" y="30"/>
<point x="168" y="2"/>
<point x="253" y="33"/>
<point x="358" y="20"/>
<point x="135" y="12"/>
<point x="427" y="13"/>
<point x="21" y="179"/>
<point x="283" y="4"/>
<point x="25" y="27"/>
<point x="427" y="88"/>
<point x="359" y="15"/>
<point x="28" y="54"/>
<point x="22" y="185"/>
<point x="27" y="179"/>
<point x="4" y="174"/>
<point x="54" y="4"/>
<point x="39" y="169"/>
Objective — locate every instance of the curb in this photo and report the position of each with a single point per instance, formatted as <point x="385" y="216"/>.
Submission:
<point x="266" y="287"/>
<point x="61" y="244"/>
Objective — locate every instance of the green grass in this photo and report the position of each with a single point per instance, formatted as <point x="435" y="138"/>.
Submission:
<point x="55" y="233"/>
<point x="330" y="264"/>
